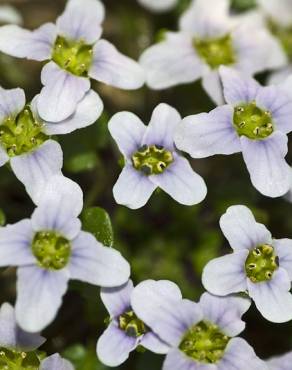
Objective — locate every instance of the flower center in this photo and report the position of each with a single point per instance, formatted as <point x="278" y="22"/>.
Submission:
<point x="284" y="35"/>
<point x="13" y="360"/>
<point x="21" y="134"/>
<point x="152" y="160"/>
<point x="51" y="249"/>
<point x="252" y="122"/>
<point x="204" y="342"/>
<point x="130" y="324"/>
<point x="73" y="56"/>
<point x="261" y="263"/>
<point x="216" y="51"/>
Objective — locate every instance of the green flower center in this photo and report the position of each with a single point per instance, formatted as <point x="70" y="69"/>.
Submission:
<point x="204" y="342"/>
<point x="131" y="325"/>
<point x="21" y="134"/>
<point x="252" y="122"/>
<point x="216" y="51"/>
<point x="261" y="263"/>
<point x="73" y="56"/>
<point x="284" y="35"/>
<point x="13" y="360"/>
<point x="152" y="160"/>
<point x="51" y="249"/>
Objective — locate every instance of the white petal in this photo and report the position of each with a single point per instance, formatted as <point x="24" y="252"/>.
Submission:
<point x="265" y="161"/>
<point x="283" y="249"/>
<point x="87" y="112"/>
<point x="280" y="362"/>
<point x="133" y="189"/>
<point x="21" y="43"/>
<point x="114" y="346"/>
<point x="241" y="229"/>
<point x="115" y="69"/>
<point x="171" y="62"/>
<point x="212" y="85"/>
<point x="154" y="344"/>
<point x="181" y="182"/>
<point x="226" y="275"/>
<point x="11" y="102"/>
<point x="272" y="298"/>
<point x="35" y="169"/>
<point x="127" y="130"/>
<point x="95" y="264"/>
<point x="177" y="360"/>
<point x="203" y="135"/>
<point x="117" y="300"/>
<point x="61" y="92"/>
<point x="158" y="6"/>
<point x="39" y="296"/>
<point x="279" y="10"/>
<point x="8" y="14"/>
<point x="81" y="19"/>
<point x="4" y="157"/>
<point x="55" y="362"/>
<point x="15" y="242"/>
<point x="280" y="76"/>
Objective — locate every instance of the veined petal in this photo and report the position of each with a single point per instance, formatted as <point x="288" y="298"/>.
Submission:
<point x="133" y="189"/>
<point x="265" y="161"/>
<point x="95" y="264"/>
<point x="81" y="20"/>
<point x="21" y="43"/>
<point x="117" y="300"/>
<point x="39" y="296"/>
<point x="177" y="360"/>
<point x="280" y="362"/>
<point x="11" y="102"/>
<point x="154" y="344"/>
<point x="56" y="362"/>
<point x="226" y="275"/>
<point x="241" y="229"/>
<point x="115" y="69"/>
<point x="212" y="84"/>
<point x="283" y="249"/>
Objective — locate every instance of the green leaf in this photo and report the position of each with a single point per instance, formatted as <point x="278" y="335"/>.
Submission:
<point x="97" y="221"/>
<point x="2" y="218"/>
<point x="82" y="162"/>
<point x="83" y="358"/>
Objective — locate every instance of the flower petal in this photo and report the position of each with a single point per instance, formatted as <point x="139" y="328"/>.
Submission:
<point x="21" y="43"/>
<point x="226" y="275"/>
<point x="15" y="241"/>
<point x="158" y="6"/>
<point x="280" y="362"/>
<point x="87" y="112"/>
<point x="154" y="344"/>
<point x="61" y="92"/>
<point x="8" y="14"/>
<point x="115" y="69"/>
<point x="203" y="135"/>
<point x="81" y="20"/>
<point x="283" y="249"/>
<point x="265" y="161"/>
<point x="177" y="360"/>
<point x="56" y="362"/>
<point x="11" y="102"/>
<point x="212" y="84"/>
<point x="225" y="312"/>
<point x="133" y="189"/>
<point x="35" y="169"/>
<point x="114" y="346"/>
<point x="241" y="229"/>
<point x="272" y="298"/>
<point x="171" y="62"/>
<point x="281" y="11"/>
<point x="181" y="182"/>
<point x="127" y="130"/>
<point x="117" y="300"/>
<point x="39" y="296"/>
<point x="95" y="264"/>
<point x="4" y="157"/>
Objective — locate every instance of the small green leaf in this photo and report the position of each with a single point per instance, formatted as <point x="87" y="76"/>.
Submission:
<point x="82" y="162"/>
<point x="2" y="218"/>
<point x="97" y="221"/>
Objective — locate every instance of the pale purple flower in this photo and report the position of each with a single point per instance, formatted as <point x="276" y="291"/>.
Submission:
<point x="152" y="161"/>
<point x="14" y="339"/>
<point x="280" y="362"/>
<point x="259" y="265"/>
<point x="125" y="331"/>
<point x="8" y="14"/>
<point x="50" y="249"/>
<point x="208" y="37"/>
<point x="255" y="121"/>
<point x="201" y="336"/>
<point x="74" y="53"/>
<point x="158" y="5"/>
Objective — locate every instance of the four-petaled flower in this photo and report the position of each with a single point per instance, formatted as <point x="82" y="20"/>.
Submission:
<point x="125" y="331"/>
<point x="152" y="160"/>
<point x="49" y="249"/>
<point x="259" y="264"/>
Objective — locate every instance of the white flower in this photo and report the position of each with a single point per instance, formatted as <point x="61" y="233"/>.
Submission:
<point x="280" y="362"/>
<point x="75" y="53"/>
<point x="152" y="160"/>
<point x="8" y="14"/>
<point x="260" y="265"/>
<point x="50" y="249"/>
<point x="158" y="5"/>
<point x="208" y="38"/>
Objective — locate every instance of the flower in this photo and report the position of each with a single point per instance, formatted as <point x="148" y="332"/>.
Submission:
<point x="125" y="331"/>
<point x="209" y="37"/>
<point x="255" y="121"/>
<point x="18" y="348"/>
<point x="260" y="265"/>
<point x="49" y="249"/>
<point x="201" y="335"/>
<point x="25" y="138"/>
<point x="152" y="160"/>
<point x="75" y="54"/>
<point x="280" y="362"/>
<point x="8" y="14"/>
<point x="158" y="5"/>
